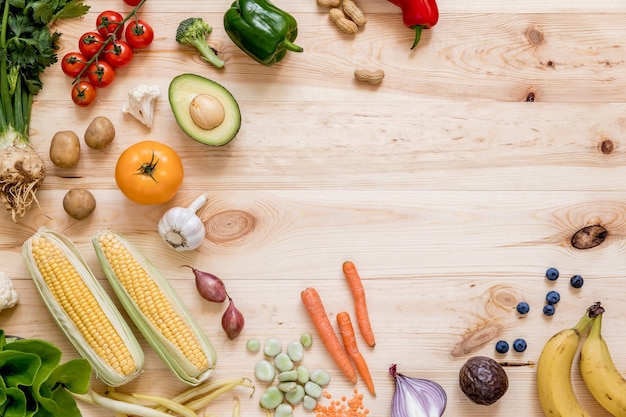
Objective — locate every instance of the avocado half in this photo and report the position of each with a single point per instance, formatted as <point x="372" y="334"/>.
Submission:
<point x="184" y="89"/>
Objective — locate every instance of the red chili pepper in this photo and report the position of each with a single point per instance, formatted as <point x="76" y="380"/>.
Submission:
<point x="418" y="15"/>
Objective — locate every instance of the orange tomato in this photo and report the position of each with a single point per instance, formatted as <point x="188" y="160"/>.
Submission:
<point x="149" y="172"/>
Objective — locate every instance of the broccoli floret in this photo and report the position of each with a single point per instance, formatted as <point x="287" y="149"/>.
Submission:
<point x="193" y="32"/>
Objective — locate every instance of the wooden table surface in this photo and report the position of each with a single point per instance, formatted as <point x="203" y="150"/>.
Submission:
<point x="453" y="186"/>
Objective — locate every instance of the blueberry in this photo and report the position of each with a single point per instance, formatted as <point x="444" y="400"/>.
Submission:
<point x="548" y="310"/>
<point x="553" y="297"/>
<point x="502" y="346"/>
<point x="523" y="307"/>
<point x="576" y="281"/>
<point x="519" y="345"/>
<point x="552" y="274"/>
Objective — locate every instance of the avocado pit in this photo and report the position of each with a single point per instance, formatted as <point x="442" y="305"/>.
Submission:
<point x="206" y="111"/>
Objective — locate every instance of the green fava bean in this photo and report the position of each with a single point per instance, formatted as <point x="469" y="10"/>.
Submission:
<point x="306" y="340"/>
<point x="320" y="377"/>
<point x="309" y="403"/>
<point x="271" y="398"/>
<point x="295" y="397"/>
<point x="287" y="376"/>
<point x="253" y="345"/>
<point x="264" y="371"/>
<point x="283" y="362"/>
<point x="287" y="386"/>
<point x="283" y="410"/>
<point x="295" y="350"/>
<point x="272" y="347"/>
<point x="312" y="389"/>
<point x="303" y="374"/>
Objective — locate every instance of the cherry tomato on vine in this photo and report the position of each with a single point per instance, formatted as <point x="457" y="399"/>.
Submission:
<point x="108" y="22"/>
<point x="83" y="93"/>
<point x="149" y="172"/>
<point x="100" y="74"/>
<point x="73" y="63"/>
<point x="118" y="53"/>
<point x="139" y="34"/>
<point x="132" y="2"/>
<point x="90" y="43"/>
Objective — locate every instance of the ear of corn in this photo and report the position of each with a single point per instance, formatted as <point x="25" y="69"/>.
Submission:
<point x="82" y="308"/>
<point x="155" y="308"/>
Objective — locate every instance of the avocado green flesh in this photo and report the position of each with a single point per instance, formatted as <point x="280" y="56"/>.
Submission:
<point x="183" y="89"/>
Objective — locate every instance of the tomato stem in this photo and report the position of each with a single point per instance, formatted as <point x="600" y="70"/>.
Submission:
<point x="147" y="168"/>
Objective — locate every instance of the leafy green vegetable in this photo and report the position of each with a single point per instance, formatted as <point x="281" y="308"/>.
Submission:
<point x="27" y="47"/>
<point x="33" y="382"/>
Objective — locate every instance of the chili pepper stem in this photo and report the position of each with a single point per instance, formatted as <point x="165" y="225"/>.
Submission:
<point x="418" y="34"/>
<point x="292" y="46"/>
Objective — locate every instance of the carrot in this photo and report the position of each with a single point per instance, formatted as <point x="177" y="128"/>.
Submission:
<point x="349" y="341"/>
<point x="314" y="306"/>
<point x="360" y="305"/>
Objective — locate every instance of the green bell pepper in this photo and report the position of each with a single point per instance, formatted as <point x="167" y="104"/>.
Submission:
<point x="261" y="30"/>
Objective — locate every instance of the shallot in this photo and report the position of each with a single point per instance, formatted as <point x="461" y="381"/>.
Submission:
<point x="417" y="397"/>
<point x="232" y="320"/>
<point x="209" y="286"/>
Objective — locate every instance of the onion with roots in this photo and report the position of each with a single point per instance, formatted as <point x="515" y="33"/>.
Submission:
<point x="22" y="172"/>
<point x="28" y="46"/>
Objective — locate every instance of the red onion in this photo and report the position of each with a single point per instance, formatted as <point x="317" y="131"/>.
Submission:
<point x="417" y="397"/>
<point x="232" y="320"/>
<point x="209" y="286"/>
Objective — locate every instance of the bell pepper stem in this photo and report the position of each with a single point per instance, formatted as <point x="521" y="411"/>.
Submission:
<point x="291" y="46"/>
<point x="418" y="34"/>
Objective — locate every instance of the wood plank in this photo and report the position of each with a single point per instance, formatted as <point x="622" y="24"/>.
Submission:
<point x="450" y="186"/>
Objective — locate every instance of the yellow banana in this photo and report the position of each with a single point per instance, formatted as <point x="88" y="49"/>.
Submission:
<point x="554" y="384"/>
<point x="601" y="376"/>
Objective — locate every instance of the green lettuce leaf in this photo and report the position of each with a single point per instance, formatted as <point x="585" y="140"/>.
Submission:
<point x="34" y="382"/>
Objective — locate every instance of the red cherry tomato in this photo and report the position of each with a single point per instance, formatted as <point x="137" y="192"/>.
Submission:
<point x="132" y="2"/>
<point x="118" y="53"/>
<point x="90" y="44"/>
<point x="83" y="93"/>
<point x="108" y="22"/>
<point x="139" y="34"/>
<point x="73" y="63"/>
<point x="100" y="74"/>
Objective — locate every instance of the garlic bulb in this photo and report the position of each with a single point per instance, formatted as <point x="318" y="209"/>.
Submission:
<point x="181" y="228"/>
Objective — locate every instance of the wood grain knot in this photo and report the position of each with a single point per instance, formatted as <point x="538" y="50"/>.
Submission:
<point x="589" y="237"/>
<point x="607" y="146"/>
<point x="503" y="297"/>
<point x="535" y="36"/>
<point x="475" y="339"/>
<point x="229" y="226"/>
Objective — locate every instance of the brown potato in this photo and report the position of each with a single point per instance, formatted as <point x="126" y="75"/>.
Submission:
<point x="79" y="203"/>
<point x="100" y="133"/>
<point x="65" y="149"/>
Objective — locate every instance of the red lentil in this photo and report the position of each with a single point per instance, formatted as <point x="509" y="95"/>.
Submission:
<point x="352" y="407"/>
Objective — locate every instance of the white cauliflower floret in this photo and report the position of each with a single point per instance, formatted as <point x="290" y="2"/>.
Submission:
<point x="8" y="294"/>
<point x="141" y="102"/>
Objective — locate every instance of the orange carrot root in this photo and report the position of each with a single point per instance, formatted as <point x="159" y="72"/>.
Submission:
<point x="349" y="341"/>
<point x="360" y="305"/>
<point x="314" y="306"/>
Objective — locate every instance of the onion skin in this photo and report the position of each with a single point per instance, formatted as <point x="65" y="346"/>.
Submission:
<point x="417" y="397"/>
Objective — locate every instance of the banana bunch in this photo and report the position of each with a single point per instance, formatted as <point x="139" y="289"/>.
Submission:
<point x="598" y="371"/>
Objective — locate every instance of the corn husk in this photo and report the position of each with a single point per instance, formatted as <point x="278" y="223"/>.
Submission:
<point x="170" y="354"/>
<point x="103" y="370"/>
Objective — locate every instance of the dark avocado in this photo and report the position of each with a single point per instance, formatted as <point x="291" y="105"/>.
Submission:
<point x="483" y="380"/>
